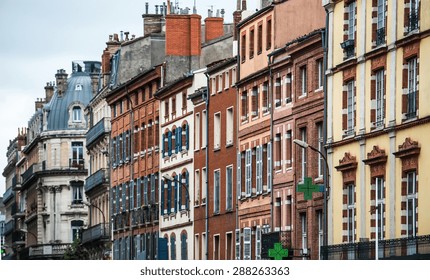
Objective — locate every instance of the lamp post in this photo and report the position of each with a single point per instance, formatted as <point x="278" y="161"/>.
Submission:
<point x="304" y="145"/>
<point x="101" y="211"/>
<point x="170" y="178"/>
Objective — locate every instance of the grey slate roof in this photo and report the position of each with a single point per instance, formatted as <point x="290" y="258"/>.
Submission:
<point x="59" y="107"/>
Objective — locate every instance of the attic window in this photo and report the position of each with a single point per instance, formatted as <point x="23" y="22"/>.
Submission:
<point x="77" y="114"/>
<point x="78" y="87"/>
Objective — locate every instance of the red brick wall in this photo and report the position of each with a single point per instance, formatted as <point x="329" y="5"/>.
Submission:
<point x="183" y="33"/>
<point x="214" y="28"/>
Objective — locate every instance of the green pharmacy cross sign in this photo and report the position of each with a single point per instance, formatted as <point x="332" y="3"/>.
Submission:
<point x="307" y="188"/>
<point x="278" y="253"/>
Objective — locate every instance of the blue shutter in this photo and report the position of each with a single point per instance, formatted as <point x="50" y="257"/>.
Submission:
<point x="169" y="143"/>
<point x="145" y="191"/>
<point x="152" y="189"/>
<point x="117" y="150"/>
<point x="184" y="251"/>
<point x="138" y="204"/>
<point x="177" y="192"/>
<point x="169" y="196"/>
<point x="180" y="202"/>
<point x="162" y="252"/>
<point x="124" y="146"/>
<point x="162" y="199"/>
<point x="179" y="137"/>
<point x="187" y="135"/>
<point x="132" y="205"/>
<point x="176" y="140"/>
<point x="162" y="146"/>
<point x="118" y="190"/>
<point x="112" y="152"/>
<point x="187" y="185"/>
<point x="137" y="244"/>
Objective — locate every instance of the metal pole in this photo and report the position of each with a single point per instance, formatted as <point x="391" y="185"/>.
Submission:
<point x="377" y="222"/>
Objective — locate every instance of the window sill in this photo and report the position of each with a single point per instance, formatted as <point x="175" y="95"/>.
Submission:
<point x="228" y="145"/>
<point x="318" y="90"/>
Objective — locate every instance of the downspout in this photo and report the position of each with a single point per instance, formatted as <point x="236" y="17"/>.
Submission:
<point x="270" y="90"/>
<point x="237" y="129"/>
<point x="207" y="169"/>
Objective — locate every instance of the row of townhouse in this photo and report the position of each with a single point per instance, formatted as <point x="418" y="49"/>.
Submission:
<point x="220" y="140"/>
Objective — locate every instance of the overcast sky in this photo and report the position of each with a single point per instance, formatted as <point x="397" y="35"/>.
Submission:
<point x="40" y="37"/>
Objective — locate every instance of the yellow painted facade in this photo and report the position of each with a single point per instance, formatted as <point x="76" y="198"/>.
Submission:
<point x="398" y="48"/>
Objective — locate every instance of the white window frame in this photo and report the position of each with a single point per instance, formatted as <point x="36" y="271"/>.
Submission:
<point x="217" y="191"/>
<point x="259" y="171"/>
<point x="258" y="237"/>
<point x="350" y="192"/>
<point x="77" y="114"/>
<point x="380" y="195"/>
<point x="248" y="172"/>
<point x="411" y="198"/>
<point x="351" y="20"/>
<point x="304" y="83"/>
<point x="304" y="225"/>
<point x="229" y="188"/>
<point x="229" y="126"/>
<point x="350" y="107"/>
<point x="217" y="130"/>
<point x="321" y="149"/>
<point x="247" y="233"/>
<point x="380" y="92"/>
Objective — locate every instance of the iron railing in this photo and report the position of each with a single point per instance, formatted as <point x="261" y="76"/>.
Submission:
<point x="95" y="179"/>
<point x="402" y="248"/>
<point x="9" y="227"/>
<point x="76" y="163"/>
<point x="8" y="195"/>
<point x="95" y="233"/>
<point x="380" y="36"/>
<point x="412" y="105"/>
<point x="413" y="20"/>
<point x="97" y="130"/>
<point x="48" y="251"/>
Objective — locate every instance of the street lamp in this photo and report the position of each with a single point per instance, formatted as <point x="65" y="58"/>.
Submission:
<point x="101" y="211"/>
<point x="305" y="145"/>
<point x="170" y="178"/>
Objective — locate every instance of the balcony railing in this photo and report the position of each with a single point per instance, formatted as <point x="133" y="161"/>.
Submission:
<point x="402" y="248"/>
<point x="412" y="105"/>
<point x="348" y="46"/>
<point x="413" y="21"/>
<point x="96" y="179"/>
<point x="8" y="195"/>
<point x="96" y="233"/>
<point x="29" y="172"/>
<point x="98" y="130"/>
<point x="48" y="251"/>
<point x="16" y="183"/>
<point x="380" y="36"/>
<point x="76" y="163"/>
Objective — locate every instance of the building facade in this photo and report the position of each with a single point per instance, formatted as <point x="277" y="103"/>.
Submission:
<point x="377" y="129"/>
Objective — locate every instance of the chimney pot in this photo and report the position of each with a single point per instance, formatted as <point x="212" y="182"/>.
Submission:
<point x="146" y="7"/>
<point x="156" y="9"/>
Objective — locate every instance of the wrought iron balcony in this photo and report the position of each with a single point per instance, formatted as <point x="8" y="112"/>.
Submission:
<point x="94" y="180"/>
<point x="98" y="232"/>
<point x="349" y="47"/>
<point x="413" y="21"/>
<point x="412" y="105"/>
<point x="402" y="248"/>
<point x="29" y="173"/>
<point x="380" y="36"/>
<point x="16" y="183"/>
<point x="8" y="195"/>
<point x="76" y="163"/>
<point x="99" y="129"/>
<point x="51" y="251"/>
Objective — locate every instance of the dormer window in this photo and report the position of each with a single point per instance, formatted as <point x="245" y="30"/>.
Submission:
<point x="78" y="87"/>
<point x="77" y="112"/>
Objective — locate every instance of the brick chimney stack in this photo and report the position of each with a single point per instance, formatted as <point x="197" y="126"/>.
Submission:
<point x="214" y="28"/>
<point x="111" y="47"/>
<point x="49" y="91"/>
<point x="61" y="81"/>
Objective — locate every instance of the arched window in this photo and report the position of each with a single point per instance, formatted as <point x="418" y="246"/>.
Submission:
<point x="172" y="246"/>
<point x="185" y="136"/>
<point x="184" y="248"/>
<point x="76" y="229"/>
<point x="77" y="112"/>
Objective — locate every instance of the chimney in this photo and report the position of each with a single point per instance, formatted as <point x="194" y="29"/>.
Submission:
<point x="244" y="5"/>
<point x="152" y="24"/>
<point x="126" y="35"/>
<point x="214" y="28"/>
<point x="38" y="104"/>
<point x="169" y="8"/>
<point x="111" y="47"/>
<point x="146" y="8"/>
<point x="61" y="81"/>
<point x="49" y="91"/>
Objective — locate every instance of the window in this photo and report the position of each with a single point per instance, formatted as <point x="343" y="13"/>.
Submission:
<point x="304" y="81"/>
<point x="349" y="30"/>
<point x="259" y="170"/>
<point x="77" y="112"/>
<point x="269" y="34"/>
<point x="185" y="137"/>
<point x="258" y="243"/>
<point x="204" y="178"/>
<point x="229" y="127"/>
<point x="184" y="247"/>
<point x="77" y="227"/>
<point x="278" y="92"/>
<point x="244" y="103"/>
<point x="217" y="131"/>
<point x="350" y="200"/>
<point x="321" y="162"/>
<point x="172" y="247"/>
<point x="197" y="131"/>
<point x="254" y="102"/>
<point x="413" y="18"/>
<point x="217" y="191"/>
<point x="411" y="204"/>
<point x="197" y="186"/>
<point x="265" y="92"/>
<point x="380" y="94"/>
<point x="289" y="144"/>
<point x="304" y="156"/>
<point x="143" y="138"/>
<point x="204" y="132"/>
<point x="184" y="101"/>
<point x="237" y="244"/>
<point x="304" y="225"/>
<point x="320" y="72"/>
<point x="351" y="20"/>
<point x="77" y="192"/>
<point x="251" y="43"/>
<point x="243" y="49"/>
<point x="248" y="172"/>
<point x="77" y="159"/>
<point x="229" y="245"/>
<point x="229" y="188"/>
<point x="380" y="23"/>
<point x="320" y="229"/>
<point x="350" y="108"/>
<point x="166" y="109"/>
<point x="269" y="167"/>
<point x="412" y="89"/>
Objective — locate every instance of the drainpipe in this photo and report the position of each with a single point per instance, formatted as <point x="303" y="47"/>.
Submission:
<point x="270" y="92"/>
<point x="207" y="169"/>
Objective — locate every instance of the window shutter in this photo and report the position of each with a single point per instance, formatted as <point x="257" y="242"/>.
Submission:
<point x="118" y="196"/>
<point x="258" y="243"/>
<point x="178" y="194"/>
<point x="162" y="198"/>
<point x="239" y="176"/>
<point x="145" y="190"/>
<point x="137" y="244"/>
<point x="187" y="136"/>
<point x="115" y="250"/>
<point x="179" y="139"/>
<point x="248" y="163"/>
<point x="124" y="146"/>
<point x="184" y="247"/>
<point x="112" y="151"/>
<point x="169" y="145"/>
<point x="269" y="167"/>
<point x="138" y="204"/>
<point x="162" y="146"/>
<point x="247" y="243"/>
<point x="132" y="205"/>
<point x="152" y="189"/>
<point x="187" y="195"/>
<point x="169" y="197"/>
<point x="237" y="249"/>
<point x="117" y="150"/>
<point x="259" y="187"/>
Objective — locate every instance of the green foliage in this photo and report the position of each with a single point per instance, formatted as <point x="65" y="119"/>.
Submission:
<point x="76" y="251"/>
